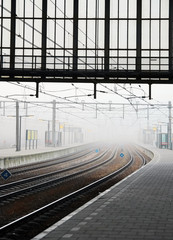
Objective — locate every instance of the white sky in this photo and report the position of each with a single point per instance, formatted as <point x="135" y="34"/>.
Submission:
<point x="114" y="93"/>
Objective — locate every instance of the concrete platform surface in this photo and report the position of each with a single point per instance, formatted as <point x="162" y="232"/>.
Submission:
<point x="11" y="152"/>
<point x="12" y="158"/>
<point x="139" y="207"/>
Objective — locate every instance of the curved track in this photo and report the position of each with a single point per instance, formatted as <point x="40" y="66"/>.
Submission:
<point x="106" y="157"/>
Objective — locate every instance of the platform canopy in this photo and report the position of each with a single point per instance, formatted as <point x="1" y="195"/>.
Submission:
<point x="86" y="41"/>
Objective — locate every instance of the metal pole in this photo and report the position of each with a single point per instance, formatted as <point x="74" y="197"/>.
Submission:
<point x="20" y="133"/>
<point x="48" y="133"/>
<point x="107" y="35"/>
<point x="138" y="36"/>
<point x="3" y="108"/>
<point x="170" y="36"/>
<point x="123" y="111"/>
<point x="53" y="123"/>
<point x="12" y="36"/>
<point x="170" y="129"/>
<point x="148" y="117"/>
<point x="17" y="126"/>
<point x="75" y="34"/>
<point x="137" y="110"/>
<point x="96" y="110"/>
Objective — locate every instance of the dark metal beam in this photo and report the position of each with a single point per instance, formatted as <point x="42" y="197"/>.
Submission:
<point x="44" y="41"/>
<point x="138" y="35"/>
<point x="150" y="91"/>
<point x="95" y="90"/>
<point x="86" y="80"/>
<point x="1" y="34"/>
<point x="75" y="35"/>
<point x="44" y="34"/>
<point x="170" y="35"/>
<point x="87" y="74"/>
<point x="12" y="35"/>
<point x="107" y="34"/>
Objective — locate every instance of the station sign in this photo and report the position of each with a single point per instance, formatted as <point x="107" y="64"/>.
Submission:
<point x="5" y="174"/>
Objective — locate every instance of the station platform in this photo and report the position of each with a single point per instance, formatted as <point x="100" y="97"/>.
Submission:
<point x="139" y="207"/>
<point x="11" y="152"/>
<point x="12" y="158"/>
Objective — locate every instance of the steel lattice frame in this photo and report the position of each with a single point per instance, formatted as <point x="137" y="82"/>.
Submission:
<point x="86" y="41"/>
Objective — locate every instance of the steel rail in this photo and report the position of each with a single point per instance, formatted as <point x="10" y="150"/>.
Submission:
<point x="51" y="182"/>
<point x="51" y="162"/>
<point x="46" y="208"/>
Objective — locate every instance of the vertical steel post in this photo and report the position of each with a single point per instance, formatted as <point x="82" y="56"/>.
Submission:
<point x="4" y="108"/>
<point x="53" y="123"/>
<point x="44" y="39"/>
<point x="96" y="110"/>
<point x="95" y="90"/>
<point x="138" y="36"/>
<point x="148" y="117"/>
<point x="107" y="35"/>
<point x="75" y="35"/>
<point x="20" y="132"/>
<point x="137" y="111"/>
<point x="17" y="127"/>
<point x="48" y="132"/>
<point x="170" y="127"/>
<point x="1" y="34"/>
<point x="12" y="36"/>
<point x="170" y="36"/>
<point x="123" y="111"/>
<point x="149" y="91"/>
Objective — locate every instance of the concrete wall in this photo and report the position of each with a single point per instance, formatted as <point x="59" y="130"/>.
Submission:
<point x="13" y="161"/>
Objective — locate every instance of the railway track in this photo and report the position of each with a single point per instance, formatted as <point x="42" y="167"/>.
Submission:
<point x="15" y="228"/>
<point x="23" y="169"/>
<point x="18" y="188"/>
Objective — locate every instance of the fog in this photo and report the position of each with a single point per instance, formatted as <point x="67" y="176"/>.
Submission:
<point x="77" y="118"/>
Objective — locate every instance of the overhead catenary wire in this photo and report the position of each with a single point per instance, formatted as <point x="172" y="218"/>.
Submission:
<point x="96" y="42"/>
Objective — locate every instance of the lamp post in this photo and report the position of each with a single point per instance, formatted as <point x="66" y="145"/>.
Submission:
<point x="169" y="126"/>
<point x="19" y="127"/>
<point x="48" y="131"/>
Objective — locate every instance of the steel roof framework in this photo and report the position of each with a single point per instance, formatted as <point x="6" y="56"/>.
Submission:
<point x="87" y="41"/>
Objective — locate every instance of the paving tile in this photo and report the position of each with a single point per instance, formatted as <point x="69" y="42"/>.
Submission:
<point x="139" y="207"/>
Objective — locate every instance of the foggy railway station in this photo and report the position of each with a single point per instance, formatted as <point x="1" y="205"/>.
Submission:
<point x="86" y="119"/>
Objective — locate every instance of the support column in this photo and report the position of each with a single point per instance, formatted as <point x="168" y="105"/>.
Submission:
<point x="138" y="36"/>
<point x="12" y="36"/>
<point x="148" y="117"/>
<point x="170" y="36"/>
<point x="107" y="35"/>
<point x="54" y="124"/>
<point x="75" y="35"/>
<point x="170" y="127"/>
<point x="44" y="35"/>
<point x="17" y="127"/>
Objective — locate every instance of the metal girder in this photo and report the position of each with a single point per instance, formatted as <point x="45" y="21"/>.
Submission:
<point x="87" y="74"/>
<point x="44" y="42"/>
<point x="95" y="60"/>
<point x="12" y="36"/>
<point x="170" y="35"/>
<point x="75" y="35"/>
<point x="138" y="35"/>
<point x="107" y="34"/>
